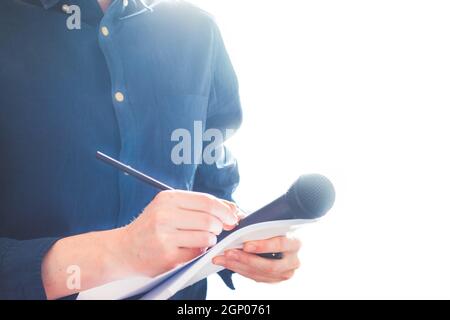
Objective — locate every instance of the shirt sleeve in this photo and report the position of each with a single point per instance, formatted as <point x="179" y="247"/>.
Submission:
<point x="20" y="268"/>
<point x="224" y="114"/>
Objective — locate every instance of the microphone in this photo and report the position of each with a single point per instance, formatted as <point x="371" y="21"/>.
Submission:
<point x="309" y="198"/>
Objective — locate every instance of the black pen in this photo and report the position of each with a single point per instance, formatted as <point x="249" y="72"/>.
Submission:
<point x="159" y="185"/>
<point x="133" y="172"/>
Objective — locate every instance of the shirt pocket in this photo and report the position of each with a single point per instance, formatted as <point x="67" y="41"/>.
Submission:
<point x="181" y="111"/>
<point x="169" y="121"/>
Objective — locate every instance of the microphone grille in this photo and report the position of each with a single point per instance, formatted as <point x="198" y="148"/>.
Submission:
<point x="311" y="196"/>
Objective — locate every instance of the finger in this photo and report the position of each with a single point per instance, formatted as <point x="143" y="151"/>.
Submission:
<point x="193" y="239"/>
<point x="228" y="227"/>
<point x="219" y="260"/>
<point x="234" y="208"/>
<point x="237" y="211"/>
<point x="202" y="202"/>
<point x="241" y="215"/>
<point x="197" y="221"/>
<point x="263" y="265"/>
<point x="244" y="270"/>
<point x="231" y="205"/>
<point x="277" y="244"/>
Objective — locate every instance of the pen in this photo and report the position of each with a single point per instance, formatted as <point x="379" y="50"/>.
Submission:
<point x="159" y="185"/>
<point x="132" y="172"/>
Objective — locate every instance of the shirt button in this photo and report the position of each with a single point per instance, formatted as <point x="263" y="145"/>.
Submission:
<point x="119" y="96"/>
<point x="105" y="31"/>
<point x="65" y="8"/>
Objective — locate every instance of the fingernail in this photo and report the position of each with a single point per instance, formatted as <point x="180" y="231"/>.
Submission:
<point x="228" y="228"/>
<point x="231" y="220"/>
<point x="241" y="215"/>
<point x="217" y="228"/>
<point x="218" y="261"/>
<point x="230" y="215"/>
<point x="212" y="241"/>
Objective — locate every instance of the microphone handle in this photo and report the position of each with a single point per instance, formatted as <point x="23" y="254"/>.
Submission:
<point x="279" y="209"/>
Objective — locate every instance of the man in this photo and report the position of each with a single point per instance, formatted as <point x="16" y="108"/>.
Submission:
<point x="120" y="82"/>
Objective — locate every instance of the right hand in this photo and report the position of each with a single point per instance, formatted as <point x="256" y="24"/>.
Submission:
<point x="176" y="227"/>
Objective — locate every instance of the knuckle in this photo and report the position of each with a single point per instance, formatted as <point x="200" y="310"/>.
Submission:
<point x="276" y="244"/>
<point x="208" y="222"/>
<point x="160" y="217"/>
<point x="256" y="246"/>
<point x="227" y="265"/>
<point x="242" y="258"/>
<point x="161" y="197"/>
<point x="209" y="204"/>
<point x="230" y="265"/>
<point x="282" y="242"/>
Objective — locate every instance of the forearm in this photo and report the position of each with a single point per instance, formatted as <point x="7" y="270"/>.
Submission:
<point x="174" y="228"/>
<point x="90" y="258"/>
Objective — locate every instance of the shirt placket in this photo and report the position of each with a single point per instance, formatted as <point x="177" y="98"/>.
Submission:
<point x="110" y="46"/>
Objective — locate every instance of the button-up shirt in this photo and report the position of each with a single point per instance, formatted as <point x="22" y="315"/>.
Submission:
<point x="121" y="82"/>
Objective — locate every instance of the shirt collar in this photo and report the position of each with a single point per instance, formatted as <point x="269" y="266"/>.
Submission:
<point x="49" y="3"/>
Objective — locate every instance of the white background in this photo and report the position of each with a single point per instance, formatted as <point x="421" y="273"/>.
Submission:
<point x="359" y="91"/>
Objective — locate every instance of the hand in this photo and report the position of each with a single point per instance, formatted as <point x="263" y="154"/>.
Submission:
<point x="246" y="263"/>
<point x="176" y="227"/>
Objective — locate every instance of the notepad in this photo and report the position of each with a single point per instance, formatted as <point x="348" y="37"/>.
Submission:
<point x="168" y="284"/>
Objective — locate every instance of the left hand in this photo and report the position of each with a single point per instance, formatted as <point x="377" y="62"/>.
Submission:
<point x="246" y="263"/>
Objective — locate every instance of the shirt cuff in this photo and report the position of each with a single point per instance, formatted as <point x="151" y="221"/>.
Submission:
<point x="20" y="269"/>
<point x="226" y="276"/>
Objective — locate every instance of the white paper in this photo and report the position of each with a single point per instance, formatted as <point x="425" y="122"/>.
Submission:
<point x="169" y="283"/>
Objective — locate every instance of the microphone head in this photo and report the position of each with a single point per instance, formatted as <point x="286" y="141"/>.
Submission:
<point x="311" y="196"/>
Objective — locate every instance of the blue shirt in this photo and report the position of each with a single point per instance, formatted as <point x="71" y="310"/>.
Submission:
<point x="121" y="84"/>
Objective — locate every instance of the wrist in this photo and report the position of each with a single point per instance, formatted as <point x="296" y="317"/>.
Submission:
<point x="114" y="250"/>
